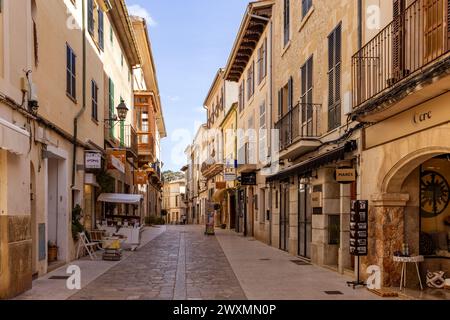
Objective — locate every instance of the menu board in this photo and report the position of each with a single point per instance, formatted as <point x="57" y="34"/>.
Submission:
<point x="359" y="227"/>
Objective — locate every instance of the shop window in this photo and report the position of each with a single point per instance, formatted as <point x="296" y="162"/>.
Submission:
<point x="334" y="227"/>
<point x="434" y="207"/>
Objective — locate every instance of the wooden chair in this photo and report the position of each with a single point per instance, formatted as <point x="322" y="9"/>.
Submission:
<point x="85" y="244"/>
<point x="97" y="237"/>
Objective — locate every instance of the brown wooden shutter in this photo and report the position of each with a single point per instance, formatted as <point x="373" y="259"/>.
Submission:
<point x="448" y="25"/>
<point x="280" y="103"/>
<point x="398" y="40"/>
<point x="290" y="93"/>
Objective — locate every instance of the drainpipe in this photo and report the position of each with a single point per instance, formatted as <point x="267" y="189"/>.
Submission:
<point x="83" y="108"/>
<point x="360" y="24"/>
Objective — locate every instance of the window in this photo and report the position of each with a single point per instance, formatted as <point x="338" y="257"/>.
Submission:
<point x="35" y="32"/>
<point x="71" y="73"/>
<point x="286" y="21"/>
<point x="306" y="6"/>
<point x="90" y="8"/>
<point x="262" y="133"/>
<point x="101" y="36"/>
<point x="111" y="35"/>
<point x="262" y="61"/>
<point x="251" y="81"/>
<point x="111" y="105"/>
<point x="286" y="98"/>
<point x="94" y="97"/>
<point x="334" y="228"/>
<point x="306" y="98"/>
<point x="334" y="78"/>
<point x="121" y="59"/>
<point x="242" y="96"/>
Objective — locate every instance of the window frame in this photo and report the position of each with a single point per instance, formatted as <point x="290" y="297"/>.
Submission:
<point x="71" y="75"/>
<point x="94" y="100"/>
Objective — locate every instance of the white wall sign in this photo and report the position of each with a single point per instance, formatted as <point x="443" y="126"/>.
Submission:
<point x="93" y="160"/>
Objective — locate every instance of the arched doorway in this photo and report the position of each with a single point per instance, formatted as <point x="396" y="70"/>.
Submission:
<point x="412" y="208"/>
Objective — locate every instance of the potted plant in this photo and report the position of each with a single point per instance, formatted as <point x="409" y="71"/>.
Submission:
<point x="77" y="226"/>
<point x="52" y="252"/>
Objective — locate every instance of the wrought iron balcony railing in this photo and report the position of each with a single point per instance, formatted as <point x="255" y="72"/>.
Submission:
<point x="418" y="36"/>
<point x="302" y="121"/>
<point x="130" y="139"/>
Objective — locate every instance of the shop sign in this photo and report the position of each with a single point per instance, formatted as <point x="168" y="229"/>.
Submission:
<point x="316" y="200"/>
<point x="140" y="177"/>
<point x="248" y="179"/>
<point x="220" y="185"/>
<point x="359" y="227"/>
<point x="229" y="176"/>
<point x="117" y="159"/>
<point x="345" y="175"/>
<point x="92" y="160"/>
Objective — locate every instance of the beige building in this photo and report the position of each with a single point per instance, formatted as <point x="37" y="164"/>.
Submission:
<point x="401" y="92"/>
<point x="149" y="120"/>
<point x="61" y="81"/>
<point x="250" y="66"/>
<point x="312" y="86"/>
<point x="220" y="99"/>
<point x="173" y="201"/>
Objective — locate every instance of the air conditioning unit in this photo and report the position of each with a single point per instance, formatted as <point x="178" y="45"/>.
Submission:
<point x="105" y="5"/>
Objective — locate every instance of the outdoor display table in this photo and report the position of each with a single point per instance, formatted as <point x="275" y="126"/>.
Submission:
<point x="404" y="261"/>
<point x="131" y="234"/>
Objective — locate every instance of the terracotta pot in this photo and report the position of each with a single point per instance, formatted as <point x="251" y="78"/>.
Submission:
<point x="52" y="254"/>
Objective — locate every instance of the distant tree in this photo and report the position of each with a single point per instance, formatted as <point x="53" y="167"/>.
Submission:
<point x="170" y="175"/>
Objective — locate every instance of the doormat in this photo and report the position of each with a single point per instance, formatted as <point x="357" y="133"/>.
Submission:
<point x="300" y="263"/>
<point x="333" y="292"/>
<point x="59" y="277"/>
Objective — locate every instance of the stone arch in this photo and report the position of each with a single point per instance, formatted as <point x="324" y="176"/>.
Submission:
<point x="393" y="180"/>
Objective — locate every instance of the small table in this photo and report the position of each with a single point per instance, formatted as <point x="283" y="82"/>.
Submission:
<point x="405" y="261"/>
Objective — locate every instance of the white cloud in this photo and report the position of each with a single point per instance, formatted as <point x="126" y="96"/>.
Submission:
<point x="174" y="98"/>
<point x="137" y="10"/>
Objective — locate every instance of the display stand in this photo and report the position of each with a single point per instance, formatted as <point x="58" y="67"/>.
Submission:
<point x="358" y="282"/>
<point x="358" y="236"/>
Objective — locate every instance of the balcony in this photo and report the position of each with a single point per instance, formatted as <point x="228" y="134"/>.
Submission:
<point x="129" y="141"/>
<point x="409" y="52"/>
<point x="299" y="130"/>
<point x="247" y="159"/>
<point x="146" y="147"/>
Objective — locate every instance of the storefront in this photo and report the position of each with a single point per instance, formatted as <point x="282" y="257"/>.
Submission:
<point x="406" y="174"/>
<point x="310" y="208"/>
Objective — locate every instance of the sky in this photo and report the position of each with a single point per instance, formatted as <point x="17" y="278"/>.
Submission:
<point x="191" y="40"/>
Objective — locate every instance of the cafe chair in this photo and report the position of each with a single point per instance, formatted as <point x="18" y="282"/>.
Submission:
<point x="85" y="244"/>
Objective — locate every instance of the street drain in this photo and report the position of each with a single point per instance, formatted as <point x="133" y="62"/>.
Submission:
<point x="59" y="277"/>
<point x="265" y="259"/>
<point x="333" y="292"/>
<point x="300" y="263"/>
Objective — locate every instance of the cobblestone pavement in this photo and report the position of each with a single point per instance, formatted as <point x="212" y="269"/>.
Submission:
<point x="182" y="263"/>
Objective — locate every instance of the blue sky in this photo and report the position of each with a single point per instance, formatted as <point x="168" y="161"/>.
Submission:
<point x="191" y="40"/>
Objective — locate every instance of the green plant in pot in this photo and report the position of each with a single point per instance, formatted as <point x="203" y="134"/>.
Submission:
<point x="77" y="226"/>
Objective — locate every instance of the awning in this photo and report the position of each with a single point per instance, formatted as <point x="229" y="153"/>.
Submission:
<point x="314" y="163"/>
<point x="120" y="198"/>
<point x="13" y="138"/>
<point x="219" y="195"/>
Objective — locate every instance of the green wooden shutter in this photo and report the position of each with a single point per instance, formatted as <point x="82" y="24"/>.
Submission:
<point x="111" y="106"/>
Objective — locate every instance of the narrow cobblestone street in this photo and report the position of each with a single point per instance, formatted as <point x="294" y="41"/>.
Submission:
<point x="184" y="264"/>
<point x="180" y="264"/>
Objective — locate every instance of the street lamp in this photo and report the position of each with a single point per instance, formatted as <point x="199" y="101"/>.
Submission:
<point x="122" y="111"/>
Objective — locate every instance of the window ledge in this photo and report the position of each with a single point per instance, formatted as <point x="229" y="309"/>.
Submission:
<point x="95" y="121"/>
<point x="286" y="47"/>
<point x="262" y="83"/>
<point x="74" y="100"/>
<point x="306" y="18"/>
